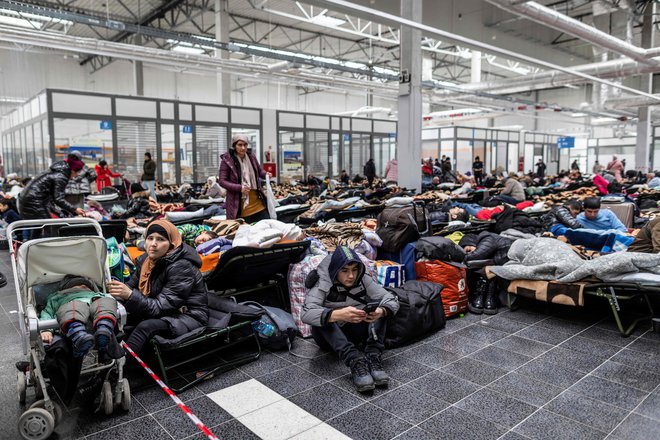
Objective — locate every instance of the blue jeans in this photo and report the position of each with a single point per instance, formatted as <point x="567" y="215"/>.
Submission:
<point x="507" y="199"/>
<point x="150" y="185"/>
<point x="472" y="208"/>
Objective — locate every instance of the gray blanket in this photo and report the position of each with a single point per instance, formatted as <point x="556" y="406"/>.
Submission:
<point x="550" y="259"/>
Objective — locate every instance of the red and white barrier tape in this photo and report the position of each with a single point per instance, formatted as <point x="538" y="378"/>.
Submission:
<point x="170" y="393"/>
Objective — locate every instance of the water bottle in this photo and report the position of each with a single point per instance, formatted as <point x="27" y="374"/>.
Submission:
<point x="263" y="328"/>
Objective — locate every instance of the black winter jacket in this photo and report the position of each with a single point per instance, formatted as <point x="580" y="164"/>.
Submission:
<point x="512" y="218"/>
<point x="178" y="292"/>
<point x="137" y="207"/>
<point x="488" y="246"/>
<point x="559" y="214"/>
<point x="45" y="190"/>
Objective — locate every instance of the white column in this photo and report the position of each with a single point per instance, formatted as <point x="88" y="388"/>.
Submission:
<point x="409" y="135"/>
<point x="475" y="67"/>
<point x="222" y="35"/>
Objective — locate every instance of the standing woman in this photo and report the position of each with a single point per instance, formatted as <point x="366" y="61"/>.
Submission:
<point x="103" y="175"/>
<point x="239" y="175"/>
<point x="166" y="295"/>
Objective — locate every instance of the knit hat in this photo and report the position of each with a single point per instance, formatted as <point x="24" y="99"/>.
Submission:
<point x="75" y="164"/>
<point x="239" y="137"/>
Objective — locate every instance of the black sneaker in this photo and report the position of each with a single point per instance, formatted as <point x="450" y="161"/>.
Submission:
<point x="379" y="375"/>
<point x="360" y="375"/>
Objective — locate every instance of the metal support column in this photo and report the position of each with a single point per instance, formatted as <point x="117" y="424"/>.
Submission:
<point x="222" y="35"/>
<point x="644" y="130"/>
<point x="409" y="140"/>
<point x="138" y="72"/>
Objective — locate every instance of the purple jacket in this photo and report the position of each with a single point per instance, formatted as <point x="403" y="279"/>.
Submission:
<point x="230" y="180"/>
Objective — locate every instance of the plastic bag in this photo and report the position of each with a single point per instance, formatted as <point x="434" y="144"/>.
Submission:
<point x="270" y="200"/>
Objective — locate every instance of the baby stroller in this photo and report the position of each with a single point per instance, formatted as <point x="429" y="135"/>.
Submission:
<point x="39" y="265"/>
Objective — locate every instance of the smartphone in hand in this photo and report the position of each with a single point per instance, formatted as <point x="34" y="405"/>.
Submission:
<point x="371" y="306"/>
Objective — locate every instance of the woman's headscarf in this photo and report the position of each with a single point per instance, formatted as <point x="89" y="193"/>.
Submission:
<point x="171" y="233"/>
<point x="239" y="137"/>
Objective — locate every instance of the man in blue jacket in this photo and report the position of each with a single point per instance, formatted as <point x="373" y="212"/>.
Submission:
<point x="599" y="219"/>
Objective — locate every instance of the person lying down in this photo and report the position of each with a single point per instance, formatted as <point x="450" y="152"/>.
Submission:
<point x="78" y="306"/>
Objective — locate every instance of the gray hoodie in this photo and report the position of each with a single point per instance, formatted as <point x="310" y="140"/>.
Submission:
<point x="318" y="306"/>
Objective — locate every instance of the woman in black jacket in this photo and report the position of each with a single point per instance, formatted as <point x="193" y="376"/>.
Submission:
<point x="167" y="293"/>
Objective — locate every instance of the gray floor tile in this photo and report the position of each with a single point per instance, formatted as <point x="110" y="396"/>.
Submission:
<point x="369" y="422"/>
<point x="525" y="389"/>
<point x="563" y="326"/>
<point x="455" y="324"/>
<point x="524" y="316"/>
<point x="445" y="386"/>
<point x="645" y="345"/>
<point x="457" y="344"/>
<point x="154" y="399"/>
<point x="651" y="406"/>
<point x="231" y="430"/>
<point x="290" y="381"/>
<point x="609" y="392"/>
<point x="496" y="407"/>
<point x="637" y="359"/>
<point x="637" y="427"/>
<point x="326" y="401"/>
<point x="512" y="436"/>
<point x="594" y="413"/>
<point x="590" y="346"/>
<point x="145" y="428"/>
<point x="90" y="423"/>
<point x="524" y="346"/>
<point x="267" y="363"/>
<point x="482" y="334"/>
<point x="474" y="371"/>
<point x="346" y="384"/>
<point x="542" y="334"/>
<point x="550" y="373"/>
<point x="305" y="348"/>
<point x="328" y="367"/>
<point x="431" y="356"/>
<point x="454" y="423"/>
<point x="222" y="380"/>
<point x="629" y="376"/>
<point x="410" y="404"/>
<point x="504" y="359"/>
<point x="572" y="359"/>
<point x="610" y="337"/>
<point x="546" y="425"/>
<point x="415" y="434"/>
<point x="502" y="324"/>
<point x="404" y="369"/>
<point x="179" y="426"/>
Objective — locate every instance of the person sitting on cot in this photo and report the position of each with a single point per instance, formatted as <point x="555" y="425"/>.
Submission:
<point x="346" y="309"/>
<point x="77" y="304"/>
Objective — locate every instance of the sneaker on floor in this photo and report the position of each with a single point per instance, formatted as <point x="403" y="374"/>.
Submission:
<point x="360" y="375"/>
<point x="376" y="370"/>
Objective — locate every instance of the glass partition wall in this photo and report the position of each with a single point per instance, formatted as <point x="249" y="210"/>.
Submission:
<point x="499" y="150"/>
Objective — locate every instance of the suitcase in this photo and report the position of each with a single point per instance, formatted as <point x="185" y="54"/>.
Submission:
<point x="624" y="212"/>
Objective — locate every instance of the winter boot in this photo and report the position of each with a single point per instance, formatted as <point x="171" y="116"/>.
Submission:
<point x="360" y="375"/>
<point x="490" y="303"/>
<point x="102" y="335"/>
<point x="81" y="341"/>
<point x="379" y="375"/>
<point x="476" y="306"/>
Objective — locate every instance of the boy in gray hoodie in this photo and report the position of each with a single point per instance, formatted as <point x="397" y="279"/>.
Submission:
<point x="334" y="308"/>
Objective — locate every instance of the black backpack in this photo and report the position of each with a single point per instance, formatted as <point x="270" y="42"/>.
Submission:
<point x="420" y="312"/>
<point x="399" y="226"/>
<point x="285" y="327"/>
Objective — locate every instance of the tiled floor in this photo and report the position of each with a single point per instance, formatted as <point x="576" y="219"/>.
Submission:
<point x="530" y="374"/>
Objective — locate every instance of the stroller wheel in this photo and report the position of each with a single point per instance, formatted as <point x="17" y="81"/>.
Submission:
<point x="125" y="395"/>
<point x="57" y="409"/>
<point x="106" y="398"/>
<point x="36" y="424"/>
<point x="21" y="387"/>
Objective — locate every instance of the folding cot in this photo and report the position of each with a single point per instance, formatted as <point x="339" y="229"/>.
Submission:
<point x="240" y="270"/>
